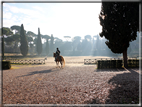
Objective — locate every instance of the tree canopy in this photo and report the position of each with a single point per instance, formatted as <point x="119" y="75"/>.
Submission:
<point x="17" y="28"/>
<point x="6" y="31"/>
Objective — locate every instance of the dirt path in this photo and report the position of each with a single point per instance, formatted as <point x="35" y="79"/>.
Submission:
<point x="75" y="84"/>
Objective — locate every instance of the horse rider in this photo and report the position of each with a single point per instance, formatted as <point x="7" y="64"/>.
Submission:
<point x="57" y="54"/>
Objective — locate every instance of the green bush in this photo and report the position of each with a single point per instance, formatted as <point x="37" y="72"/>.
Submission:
<point x="132" y="63"/>
<point x="6" y="64"/>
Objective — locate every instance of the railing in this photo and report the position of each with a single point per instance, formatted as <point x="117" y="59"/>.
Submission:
<point x="26" y="61"/>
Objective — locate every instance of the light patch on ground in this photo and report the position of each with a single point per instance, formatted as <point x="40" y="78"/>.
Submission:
<point x="14" y="67"/>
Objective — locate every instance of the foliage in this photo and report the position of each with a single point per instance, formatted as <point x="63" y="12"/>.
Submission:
<point x="13" y="41"/>
<point x="52" y="43"/>
<point x="5" y="31"/>
<point x="109" y="64"/>
<point x="17" y="28"/>
<point x="31" y="34"/>
<point x="98" y="44"/>
<point x="67" y="37"/>
<point x="46" y="37"/>
<point x="23" y="41"/>
<point x="47" y="46"/>
<point x="6" y="64"/>
<point x="119" y="21"/>
<point x="30" y="39"/>
<point x="88" y="37"/>
<point x="39" y="43"/>
<point x="76" y="39"/>
<point x="76" y="42"/>
<point x="9" y="40"/>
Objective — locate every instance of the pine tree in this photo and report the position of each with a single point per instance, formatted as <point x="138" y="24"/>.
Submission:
<point x="39" y="43"/>
<point x="23" y="41"/>
<point x="5" y="31"/>
<point x="120" y="22"/>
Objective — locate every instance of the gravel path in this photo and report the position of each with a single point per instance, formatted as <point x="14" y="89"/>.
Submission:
<point x="74" y="84"/>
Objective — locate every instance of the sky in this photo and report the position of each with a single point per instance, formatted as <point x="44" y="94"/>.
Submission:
<point x="59" y="19"/>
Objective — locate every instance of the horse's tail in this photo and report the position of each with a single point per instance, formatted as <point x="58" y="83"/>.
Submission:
<point x="63" y="61"/>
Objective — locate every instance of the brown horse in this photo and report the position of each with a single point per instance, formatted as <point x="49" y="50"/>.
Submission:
<point x="59" y="59"/>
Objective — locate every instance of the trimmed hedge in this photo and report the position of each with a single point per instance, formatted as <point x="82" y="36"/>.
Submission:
<point x="132" y="63"/>
<point x="109" y="64"/>
<point x="6" y="64"/>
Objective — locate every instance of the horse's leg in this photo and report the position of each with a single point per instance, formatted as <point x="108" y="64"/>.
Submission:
<point x="61" y="64"/>
<point x="57" y="63"/>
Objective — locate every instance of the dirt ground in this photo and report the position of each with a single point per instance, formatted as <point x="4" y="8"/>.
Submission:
<point x="76" y="83"/>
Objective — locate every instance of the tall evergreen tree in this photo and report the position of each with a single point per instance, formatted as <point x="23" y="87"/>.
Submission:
<point x="51" y="43"/>
<point x="39" y="43"/>
<point x="23" y="41"/>
<point x="120" y="22"/>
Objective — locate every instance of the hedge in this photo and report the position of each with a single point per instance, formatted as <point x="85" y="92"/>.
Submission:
<point x="6" y="64"/>
<point x="109" y="64"/>
<point x="132" y="63"/>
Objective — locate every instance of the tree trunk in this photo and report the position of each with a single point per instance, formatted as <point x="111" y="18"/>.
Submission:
<point x="125" y="58"/>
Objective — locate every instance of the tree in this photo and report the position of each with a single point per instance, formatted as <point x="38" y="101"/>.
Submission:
<point x="9" y="40"/>
<point x="67" y="37"/>
<point x="46" y="37"/>
<point x="30" y="36"/>
<point x="5" y="31"/>
<point x="60" y="44"/>
<point x="47" y="44"/>
<point x="23" y="41"/>
<point x="87" y="45"/>
<point x="75" y="42"/>
<point x="88" y="37"/>
<point x="51" y="43"/>
<point x="16" y="28"/>
<point x="16" y="38"/>
<point x="98" y="44"/>
<point x="119" y="21"/>
<point x="39" y="43"/>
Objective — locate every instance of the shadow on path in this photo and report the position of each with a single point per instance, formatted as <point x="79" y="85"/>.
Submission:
<point x="110" y="70"/>
<point x="126" y="89"/>
<point x="40" y="72"/>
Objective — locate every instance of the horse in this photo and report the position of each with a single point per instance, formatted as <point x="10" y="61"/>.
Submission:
<point x="59" y="59"/>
